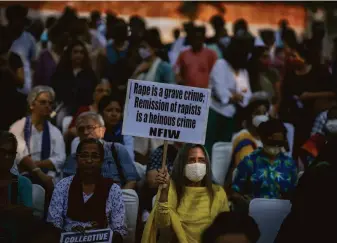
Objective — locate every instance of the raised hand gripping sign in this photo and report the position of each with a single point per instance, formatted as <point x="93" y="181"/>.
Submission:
<point x="166" y="111"/>
<point x="90" y="236"/>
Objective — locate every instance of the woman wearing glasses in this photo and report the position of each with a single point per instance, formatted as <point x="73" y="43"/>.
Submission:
<point x="88" y="200"/>
<point x="41" y="150"/>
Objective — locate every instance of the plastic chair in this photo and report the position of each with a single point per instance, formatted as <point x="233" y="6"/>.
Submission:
<point x="221" y="159"/>
<point x="131" y="203"/>
<point x="290" y="136"/>
<point x="269" y="215"/>
<point x="141" y="170"/>
<point x="65" y="123"/>
<point x="235" y="171"/>
<point x="38" y="194"/>
<point x="74" y="145"/>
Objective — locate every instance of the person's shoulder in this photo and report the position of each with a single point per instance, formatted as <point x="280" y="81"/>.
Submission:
<point x="186" y="51"/>
<point x="22" y="180"/>
<point x="108" y="145"/>
<point x="55" y="130"/>
<point x="210" y="51"/>
<point x="115" y="188"/>
<point x="243" y="134"/>
<point x="221" y="63"/>
<point x="119" y="147"/>
<point x="18" y="125"/>
<point x="253" y="155"/>
<point x="28" y="35"/>
<point x="64" y="183"/>
<point x="165" y="65"/>
<point x="218" y="189"/>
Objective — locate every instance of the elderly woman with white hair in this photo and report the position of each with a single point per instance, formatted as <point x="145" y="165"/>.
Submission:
<point x="38" y="140"/>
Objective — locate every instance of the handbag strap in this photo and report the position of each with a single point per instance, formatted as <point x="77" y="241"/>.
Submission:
<point x="118" y="164"/>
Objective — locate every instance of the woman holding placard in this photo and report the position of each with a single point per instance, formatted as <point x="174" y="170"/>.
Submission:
<point x="88" y="201"/>
<point x="189" y="201"/>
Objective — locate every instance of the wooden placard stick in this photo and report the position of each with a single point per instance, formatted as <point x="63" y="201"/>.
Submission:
<point x="163" y="164"/>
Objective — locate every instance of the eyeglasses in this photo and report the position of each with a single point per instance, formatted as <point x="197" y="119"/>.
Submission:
<point x="45" y="102"/>
<point x="86" y="156"/>
<point x="7" y="154"/>
<point x="89" y="128"/>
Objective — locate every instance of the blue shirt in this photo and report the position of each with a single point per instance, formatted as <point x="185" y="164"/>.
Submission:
<point x="256" y="177"/>
<point x="24" y="191"/>
<point x="109" y="168"/>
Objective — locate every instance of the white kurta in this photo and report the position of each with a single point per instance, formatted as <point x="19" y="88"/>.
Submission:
<point x="223" y="83"/>
<point x="57" y="147"/>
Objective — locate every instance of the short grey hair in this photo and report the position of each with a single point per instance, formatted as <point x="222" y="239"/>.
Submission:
<point x="36" y="91"/>
<point x="90" y="115"/>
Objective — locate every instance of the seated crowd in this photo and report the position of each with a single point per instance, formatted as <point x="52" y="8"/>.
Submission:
<point x="94" y="177"/>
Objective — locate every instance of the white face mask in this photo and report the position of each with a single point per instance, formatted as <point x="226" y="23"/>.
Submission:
<point x="144" y="53"/>
<point x="257" y="120"/>
<point x="272" y="150"/>
<point x="331" y="126"/>
<point x="195" y="172"/>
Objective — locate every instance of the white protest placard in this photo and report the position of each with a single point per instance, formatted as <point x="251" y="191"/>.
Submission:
<point x="90" y="236"/>
<point x="166" y="111"/>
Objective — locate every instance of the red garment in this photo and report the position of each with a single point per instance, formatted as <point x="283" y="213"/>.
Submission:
<point x="195" y="67"/>
<point x="80" y="110"/>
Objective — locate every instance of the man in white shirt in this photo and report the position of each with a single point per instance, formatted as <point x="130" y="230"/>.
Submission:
<point x="38" y="140"/>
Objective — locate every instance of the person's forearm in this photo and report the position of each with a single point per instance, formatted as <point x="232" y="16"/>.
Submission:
<point x="162" y="216"/>
<point x="45" y="164"/>
<point x="27" y="164"/>
<point x="130" y="185"/>
<point x="327" y="94"/>
<point x="30" y="165"/>
<point x="46" y="180"/>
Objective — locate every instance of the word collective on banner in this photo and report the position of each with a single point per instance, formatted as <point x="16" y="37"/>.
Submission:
<point x="166" y="111"/>
<point x="101" y="236"/>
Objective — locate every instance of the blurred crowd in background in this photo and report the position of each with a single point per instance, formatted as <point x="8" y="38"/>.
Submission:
<point x="62" y="94"/>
